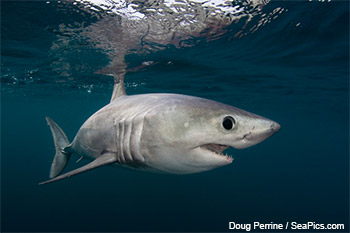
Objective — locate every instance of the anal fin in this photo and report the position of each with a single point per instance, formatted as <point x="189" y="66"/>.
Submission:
<point x="104" y="159"/>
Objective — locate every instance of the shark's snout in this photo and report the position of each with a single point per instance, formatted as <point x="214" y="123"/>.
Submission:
<point x="258" y="131"/>
<point x="275" y="127"/>
<point x="266" y="129"/>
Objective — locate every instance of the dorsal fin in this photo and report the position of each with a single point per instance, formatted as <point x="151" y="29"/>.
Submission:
<point x="118" y="88"/>
<point x="118" y="69"/>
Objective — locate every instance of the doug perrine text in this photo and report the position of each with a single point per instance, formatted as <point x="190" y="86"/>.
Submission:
<point x="284" y="226"/>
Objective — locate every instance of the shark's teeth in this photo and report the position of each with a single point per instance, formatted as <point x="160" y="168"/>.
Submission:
<point x="217" y="149"/>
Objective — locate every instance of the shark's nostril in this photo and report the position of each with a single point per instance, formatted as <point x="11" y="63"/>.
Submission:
<point x="246" y="135"/>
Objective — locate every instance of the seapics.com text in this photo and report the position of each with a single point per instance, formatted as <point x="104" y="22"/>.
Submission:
<point x="284" y="226"/>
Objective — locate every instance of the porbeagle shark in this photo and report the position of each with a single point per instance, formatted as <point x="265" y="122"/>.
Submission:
<point x="164" y="133"/>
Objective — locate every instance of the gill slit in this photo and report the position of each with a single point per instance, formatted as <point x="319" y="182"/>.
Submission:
<point x="127" y="137"/>
<point x="120" y="141"/>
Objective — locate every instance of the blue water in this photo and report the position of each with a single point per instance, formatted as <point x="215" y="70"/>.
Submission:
<point x="294" y="70"/>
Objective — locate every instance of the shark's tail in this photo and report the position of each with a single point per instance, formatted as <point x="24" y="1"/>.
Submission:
<point x="61" y="142"/>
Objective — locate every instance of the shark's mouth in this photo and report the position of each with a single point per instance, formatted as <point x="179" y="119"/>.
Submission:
<point x="217" y="149"/>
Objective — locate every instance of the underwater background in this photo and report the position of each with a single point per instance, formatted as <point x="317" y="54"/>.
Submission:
<point x="284" y="60"/>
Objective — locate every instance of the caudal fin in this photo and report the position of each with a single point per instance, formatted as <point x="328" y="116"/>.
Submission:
<point x="61" y="141"/>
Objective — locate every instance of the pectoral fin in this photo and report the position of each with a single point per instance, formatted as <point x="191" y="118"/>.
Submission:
<point x="104" y="159"/>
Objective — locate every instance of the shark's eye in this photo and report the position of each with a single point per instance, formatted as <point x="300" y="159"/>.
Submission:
<point x="228" y="123"/>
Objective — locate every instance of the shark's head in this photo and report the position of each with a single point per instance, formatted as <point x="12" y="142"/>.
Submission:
<point x="189" y="134"/>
